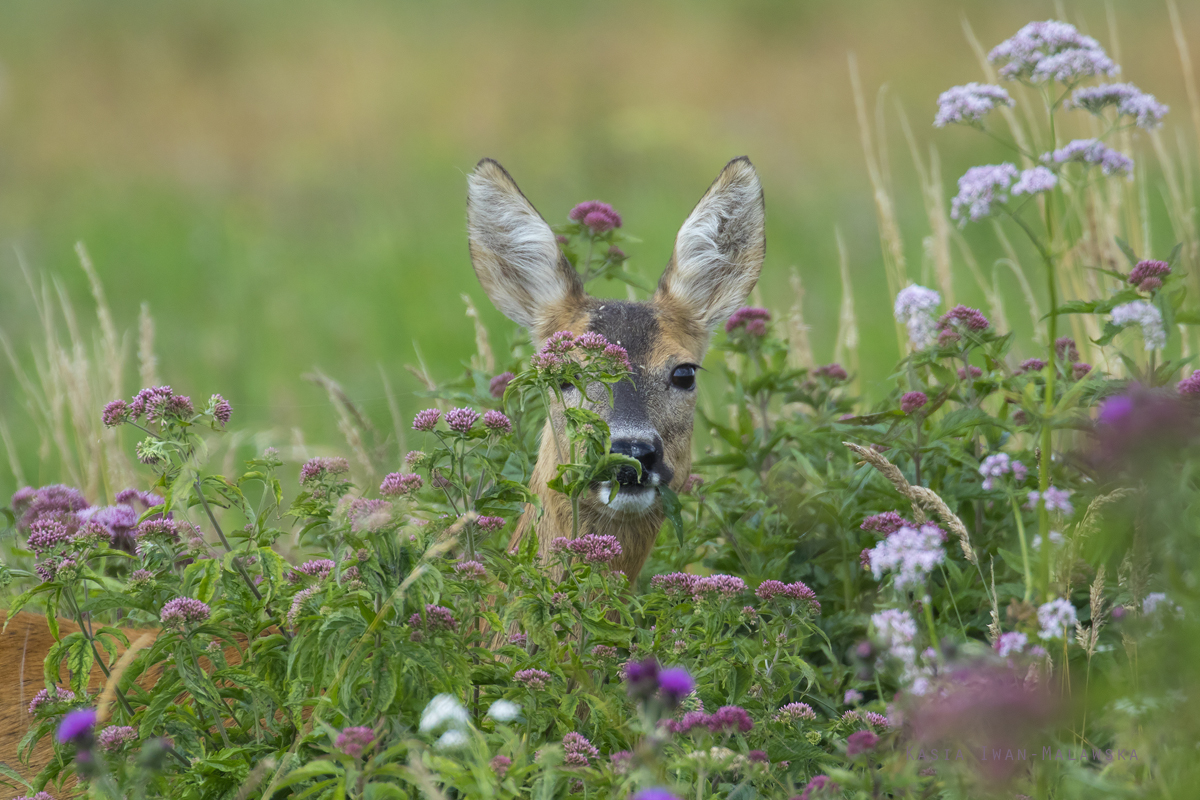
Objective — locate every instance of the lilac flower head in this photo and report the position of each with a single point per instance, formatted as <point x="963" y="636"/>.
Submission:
<point x="604" y="651"/>
<point x="617" y="355"/>
<point x="437" y="618"/>
<point x="54" y="694"/>
<point x="38" y="796"/>
<point x="491" y="523"/>
<point x="598" y="217"/>
<point x="578" y="750"/>
<point x="913" y="401"/>
<point x="1066" y="349"/>
<point x="77" y="727"/>
<point x="1010" y="643"/>
<point x="590" y="340"/>
<point x="499" y="383"/>
<point x="57" y="500"/>
<point x="114" y="736"/>
<point x="184" y="610"/>
<point x="1092" y="152"/>
<point x="497" y="422"/>
<point x="791" y="712"/>
<point x="470" y="570"/>
<point x="965" y="318"/>
<point x="369" y="514"/>
<point x="998" y="465"/>
<point x="1051" y="50"/>
<point x="675" y="684"/>
<point x="426" y="420"/>
<point x="532" y="678"/>
<point x="852" y="696"/>
<point x="915" y="307"/>
<point x="675" y="583"/>
<point x="752" y="318"/>
<point x="725" y="586"/>
<point x="978" y="189"/>
<point x="970" y="372"/>
<point x="298" y="601"/>
<point x="834" y="372"/>
<point x="461" y="420"/>
<point x="1055" y="500"/>
<point x="317" y="468"/>
<point x="221" y="410"/>
<point x="559" y="343"/>
<point x="397" y="484"/>
<point x="1080" y="369"/>
<point x="887" y="522"/>
<point x="500" y="765"/>
<point x="1056" y="619"/>
<point x="352" y="741"/>
<point x="1031" y="365"/>
<point x="1189" y="385"/>
<point x="861" y="742"/>
<point x="595" y="548"/>
<point x="819" y="787"/>
<point x="895" y="631"/>
<point x="151" y="402"/>
<point x="46" y="533"/>
<point x="729" y="718"/>
<point x="1129" y="101"/>
<point x="770" y="589"/>
<point x="911" y="553"/>
<point x="1034" y="180"/>
<point x="969" y="104"/>
<point x="876" y="720"/>
<point x="1149" y="271"/>
<point x="318" y="568"/>
<point x="115" y="413"/>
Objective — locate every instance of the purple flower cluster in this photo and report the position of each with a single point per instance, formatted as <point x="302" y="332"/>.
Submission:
<point x="791" y="712"/>
<point x="579" y="751"/>
<point x="1129" y="100"/>
<point x="604" y="651"/>
<point x="77" y="726"/>
<point x="499" y="383"/>
<point x="38" y="796"/>
<point x="592" y="548"/>
<point x="969" y="104"/>
<point x="1051" y="50"/>
<point x="820" y="786"/>
<point x="397" y="484"/>
<point x="182" y="611"/>
<point x="998" y="465"/>
<point x="772" y="589"/>
<point x="754" y="320"/>
<point x="47" y="532"/>
<point x="426" y="420"/>
<point x="1056" y="619"/>
<point x="316" y="468"/>
<point x="885" y="523"/>
<point x="1189" y="385"/>
<point x="1092" y="152"/>
<point x="978" y="189"/>
<point x="490" y="523"/>
<point x="532" y="678"/>
<point x="352" y="741"/>
<point x="470" y="570"/>
<point x="497" y="422"/>
<point x="368" y="514"/>
<point x="835" y="372"/>
<point x="114" y="736"/>
<point x="1033" y="181"/>
<point x="115" y="413"/>
<point x="1030" y="365"/>
<point x="221" y="410"/>
<point x="1147" y="275"/>
<point x="55" y="500"/>
<point x="1010" y="643"/>
<point x="969" y="372"/>
<point x="913" y="401"/>
<point x="461" y="420"/>
<point x="725" y="586"/>
<point x="1055" y="500"/>
<point x="675" y="583"/>
<point x="500" y="765"/>
<point x="964" y="317"/>
<point x="319" y="568"/>
<point x="911" y="553"/>
<point x="724" y="719"/>
<point x="298" y="601"/>
<point x="860" y="742"/>
<point x="437" y="618"/>
<point x="44" y="696"/>
<point x="596" y="216"/>
<point x="553" y="358"/>
<point x="915" y="307"/>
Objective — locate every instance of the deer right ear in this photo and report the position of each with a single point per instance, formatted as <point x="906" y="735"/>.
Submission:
<point x="514" y="252"/>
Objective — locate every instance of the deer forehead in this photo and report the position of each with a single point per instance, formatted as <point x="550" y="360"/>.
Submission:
<point x="655" y="337"/>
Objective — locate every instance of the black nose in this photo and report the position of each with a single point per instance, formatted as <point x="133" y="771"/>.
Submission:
<point x="643" y="451"/>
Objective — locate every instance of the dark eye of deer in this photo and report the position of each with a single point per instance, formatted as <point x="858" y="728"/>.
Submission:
<point x="684" y="376"/>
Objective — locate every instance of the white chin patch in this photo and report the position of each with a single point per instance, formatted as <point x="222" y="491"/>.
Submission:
<point x="628" y="500"/>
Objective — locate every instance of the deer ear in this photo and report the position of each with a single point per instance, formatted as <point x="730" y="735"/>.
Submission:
<point x="514" y="252"/>
<point x="719" y="250"/>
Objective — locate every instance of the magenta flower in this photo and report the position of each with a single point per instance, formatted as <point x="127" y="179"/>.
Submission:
<point x="618" y="355"/>
<point x="730" y="717"/>
<point x="1031" y="365"/>
<point x="752" y="318"/>
<point x="536" y="679"/>
<point x="317" y="568"/>
<point x="115" y="413"/>
<point x="970" y="371"/>
<point x="675" y="684"/>
<point x="397" y="484"/>
<point x="1189" y="385"/>
<point x="861" y="742"/>
<point x="604" y="651"/>
<point x="675" y="583"/>
<point x="46" y="533"/>
<point x="221" y="410"/>
<point x="352" y="741"/>
<point x="598" y="217"/>
<point x="44" y="696"/>
<point x="724" y="586"/>
<point x="794" y="711"/>
<point x="114" y="736"/>
<point x="437" y="618"/>
<point x="913" y="401"/>
<point x="771" y="589"/>
<point x="151" y="402"/>
<point x="834" y="372"/>
<point x="885" y="523"/>
<point x="184" y="610"/>
<point x="77" y="726"/>
<point x="1080" y="369"/>
<point x="491" y="523"/>
<point x="500" y="383"/>
<point x="497" y="422"/>
<point x="820" y="786"/>
<point x="1055" y="500"/>
<point x="500" y="765"/>
<point x="470" y="570"/>
<point x="317" y="468"/>
<point x="590" y="340"/>
<point x="298" y="602"/>
<point x="579" y="751"/>
<point x="461" y="420"/>
<point x="964" y="317"/>
<point x="592" y="548"/>
<point x="559" y="343"/>
<point x="641" y="677"/>
<point x="426" y="420"/>
<point x="1149" y="271"/>
<point x="369" y="514"/>
<point x="38" y="796"/>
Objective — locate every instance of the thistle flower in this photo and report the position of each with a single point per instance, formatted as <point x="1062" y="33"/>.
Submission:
<point x="426" y="420"/>
<point x="397" y="484"/>
<point x="860" y="742"/>
<point x="1128" y="99"/>
<point x="915" y="307"/>
<point x="1092" y="152"/>
<point x="115" y="413"/>
<point x="1056" y="618"/>
<point x="437" y="618"/>
<point x="352" y="741"/>
<point x="536" y="679"/>
<point x="834" y="372"/>
<point x="969" y="104"/>
<point x="978" y="189"/>
<point x="1034" y="180"/>
<point x="1055" y="500"/>
<point x="500" y="765"/>
<point x="317" y="468"/>
<point x="499" y="383"/>
<point x="753" y="319"/>
<point x="1051" y="51"/>
<point x="114" y="736"/>
<point x="675" y="684"/>
<point x="491" y="523"/>
<point x="221" y="410"/>
<point x="497" y="422"/>
<point x="964" y="317"/>
<point x="596" y="216"/>
<point x="791" y="712"/>
<point x="77" y="727"/>
<point x="184" y="610"/>
<point x="1010" y="643"/>
<point x="54" y="694"/>
<point x="470" y="570"/>
<point x="913" y="401"/>
<point x="1189" y="385"/>
<point x="641" y="677"/>
<point x="461" y="420"/>
<point x="1147" y="275"/>
<point x="579" y="751"/>
<point x="911" y="553"/>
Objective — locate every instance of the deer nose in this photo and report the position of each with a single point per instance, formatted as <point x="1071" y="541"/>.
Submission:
<point x="643" y="451"/>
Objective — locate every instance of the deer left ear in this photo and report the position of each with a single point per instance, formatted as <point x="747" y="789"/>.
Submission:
<point x="719" y="250"/>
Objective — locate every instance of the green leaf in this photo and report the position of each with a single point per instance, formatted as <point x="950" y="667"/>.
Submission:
<point x="674" y="512"/>
<point x="1106" y="336"/>
<point x="12" y="774"/>
<point x="312" y="769"/>
<point x="1187" y="317"/>
<point x="1128" y="251"/>
<point x="200" y="579"/>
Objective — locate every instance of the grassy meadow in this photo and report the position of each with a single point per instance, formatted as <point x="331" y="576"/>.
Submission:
<point x="283" y="183"/>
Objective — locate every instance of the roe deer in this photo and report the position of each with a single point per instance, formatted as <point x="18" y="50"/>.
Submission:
<point x="716" y="261"/>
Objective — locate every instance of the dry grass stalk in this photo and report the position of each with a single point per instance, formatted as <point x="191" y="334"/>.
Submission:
<point x="394" y="411"/>
<point x="351" y="422"/>
<point x="485" y="359"/>
<point x="114" y="677"/>
<point x="994" y="629"/>
<point x="995" y="301"/>
<point x="937" y="244"/>
<point x="800" y="355"/>
<point x="845" y="349"/>
<point x="1010" y="117"/>
<point x="147" y="361"/>
<point x="14" y="464"/>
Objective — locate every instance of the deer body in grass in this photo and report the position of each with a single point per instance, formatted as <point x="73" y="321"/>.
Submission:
<point x="714" y="265"/>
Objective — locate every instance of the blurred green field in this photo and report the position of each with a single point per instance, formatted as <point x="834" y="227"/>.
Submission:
<point x="284" y="183"/>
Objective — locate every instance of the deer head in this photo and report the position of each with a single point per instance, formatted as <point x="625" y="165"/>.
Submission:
<point x="716" y="261"/>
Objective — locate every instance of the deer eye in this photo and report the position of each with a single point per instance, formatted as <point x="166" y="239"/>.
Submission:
<point x="684" y="376"/>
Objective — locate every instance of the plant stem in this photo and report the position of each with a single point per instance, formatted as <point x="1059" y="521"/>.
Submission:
<point x="928" y="604"/>
<point x="1024" y="548"/>
<point x="241" y="568"/>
